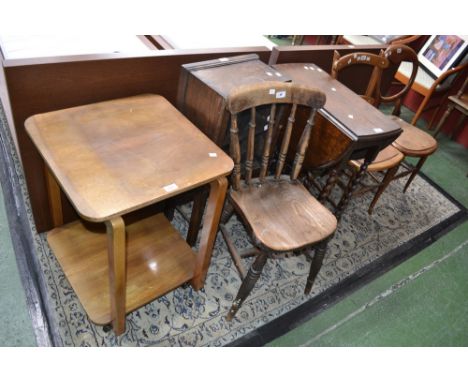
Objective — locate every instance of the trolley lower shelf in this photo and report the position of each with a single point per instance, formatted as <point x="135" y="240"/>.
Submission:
<point x="158" y="260"/>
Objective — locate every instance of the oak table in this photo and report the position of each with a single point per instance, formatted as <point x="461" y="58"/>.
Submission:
<point x="348" y="126"/>
<point x="112" y="158"/>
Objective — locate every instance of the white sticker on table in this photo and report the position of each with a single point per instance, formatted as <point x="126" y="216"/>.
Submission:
<point x="272" y="91"/>
<point x="281" y="94"/>
<point x="212" y="155"/>
<point x="378" y="130"/>
<point x="171" y="187"/>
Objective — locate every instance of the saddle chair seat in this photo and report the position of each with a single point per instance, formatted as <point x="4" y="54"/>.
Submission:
<point x="281" y="215"/>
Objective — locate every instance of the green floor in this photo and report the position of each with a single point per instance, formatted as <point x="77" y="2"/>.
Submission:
<point x="15" y="324"/>
<point x="422" y="302"/>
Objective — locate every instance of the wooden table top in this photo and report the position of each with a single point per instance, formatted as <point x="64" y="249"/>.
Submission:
<point x="118" y="156"/>
<point x="343" y="105"/>
<point x="223" y="77"/>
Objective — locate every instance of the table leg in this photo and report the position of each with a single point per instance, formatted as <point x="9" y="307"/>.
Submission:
<point x="117" y="272"/>
<point x="351" y="187"/>
<point x="331" y="181"/>
<point x="55" y="199"/>
<point x="210" y="228"/>
<point x="199" y="202"/>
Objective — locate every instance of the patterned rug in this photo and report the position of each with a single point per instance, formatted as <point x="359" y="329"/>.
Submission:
<point x="188" y="318"/>
<point x="184" y="317"/>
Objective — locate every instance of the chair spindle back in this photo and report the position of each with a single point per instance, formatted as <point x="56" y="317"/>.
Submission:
<point x="378" y="62"/>
<point x="270" y="93"/>
<point x="396" y="54"/>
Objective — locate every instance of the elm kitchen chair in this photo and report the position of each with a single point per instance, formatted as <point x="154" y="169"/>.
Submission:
<point x="278" y="211"/>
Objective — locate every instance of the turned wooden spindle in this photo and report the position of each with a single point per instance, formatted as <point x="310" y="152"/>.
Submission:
<point x="285" y="142"/>
<point x="250" y="147"/>
<point x="235" y="153"/>
<point x="267" y="145"/>
<point x="303" y="143"/>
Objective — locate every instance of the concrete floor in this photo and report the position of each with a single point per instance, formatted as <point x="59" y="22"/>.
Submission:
<point x="15" y="325"/>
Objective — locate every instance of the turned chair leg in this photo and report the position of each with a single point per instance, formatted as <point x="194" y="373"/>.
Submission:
<point x="248" y="283"/>
<point x="388" y="177"/>
<point x="316" y="265"/>
<point x="415" y="172"/>
<point x="228" y="211"/>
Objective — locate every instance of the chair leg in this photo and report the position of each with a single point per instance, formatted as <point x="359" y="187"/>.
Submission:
<point x="316" y="265"/>
<point x="397" y="108"/>
<point x="248" y="283"/>
<point x="389" y="175"/>
<point x="353" y="182"/>
<point x="228" y="211"/>
<point x="443" y="119"/>
<point x="415" y="172"/>
<point x="457" y="129"/>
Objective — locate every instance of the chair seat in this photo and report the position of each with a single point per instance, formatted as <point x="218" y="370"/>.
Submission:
<point x="461" y="102"/>
<point x="283" y="216"/>
<point x="414" y="141"/>
<point x="387" y="158"/>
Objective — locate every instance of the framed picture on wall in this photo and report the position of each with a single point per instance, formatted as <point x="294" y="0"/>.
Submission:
<point x="441" y="52"/>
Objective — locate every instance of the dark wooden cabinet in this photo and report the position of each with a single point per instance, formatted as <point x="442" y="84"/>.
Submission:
<point x="205" y="86"/>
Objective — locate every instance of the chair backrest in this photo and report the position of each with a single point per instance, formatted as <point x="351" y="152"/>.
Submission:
<point x="462" y="92"/>
<point x="270" y="93"/>
<point x="445" y="80"/>
<point x="396" y="54"/>
<point x="378" y="62"/>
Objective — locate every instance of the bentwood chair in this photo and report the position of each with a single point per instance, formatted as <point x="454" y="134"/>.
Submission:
<point x="389" y="159"/>
<point x="413" y="142"/>
<point x="458" y="102"/>
<point x="276" y="209"/>
<point x="434" y="91"/>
